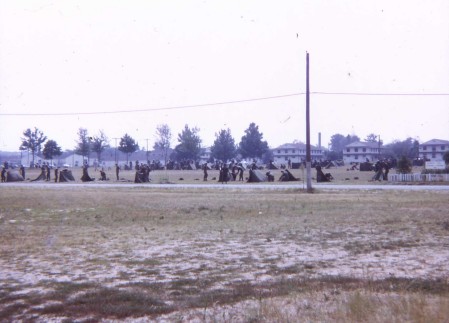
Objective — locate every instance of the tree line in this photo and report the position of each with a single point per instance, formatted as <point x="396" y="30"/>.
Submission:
<point x="224" y="148"/>
<point x="189" y="146"/>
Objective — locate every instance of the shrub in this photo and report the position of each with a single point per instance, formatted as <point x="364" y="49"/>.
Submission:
<point x="404" y="166"/>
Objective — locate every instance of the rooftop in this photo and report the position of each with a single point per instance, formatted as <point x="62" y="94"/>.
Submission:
<point x="436" y="142"/>
<point x="363" y="144"/>
<point x="299" y="145"/>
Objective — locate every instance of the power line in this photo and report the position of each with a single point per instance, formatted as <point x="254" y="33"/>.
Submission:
<point x="154" y="109"/>
<point x="204" y="105"/>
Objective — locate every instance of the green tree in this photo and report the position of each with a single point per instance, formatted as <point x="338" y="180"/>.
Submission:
<point x="333" y="155"/>
<point x="127" y="145"/>
<point x="189" y="146"/>
<point x="163" y="140"/>
<point x="51" y="149"/>
<point x="446" y="157"/>
<point x="352" y="138"/>
<point x="32" y="141"/>
<point x="408" y="148"/>
<point x="252" y="144"/>
<point x="404" y="165"/>
<point x="338" y="143"/>
<point x="83" y="144"/>
<point x="415" y="149"/>
<point x="99" y="143"/>
<point x="268" y="157"/>
<point x="224" y="147"/>
<point x="371" y="138"/>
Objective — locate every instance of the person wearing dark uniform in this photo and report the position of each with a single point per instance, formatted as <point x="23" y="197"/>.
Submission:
<point x="205" y="172"/>
<point x="56" y="174"/>
<point x="240" y="172"/>
<point x="103" y="175"/>
<point x="117" y="171"/>
<point x="3" y="174"/>
<point x="47" y="171"/>
<point x="224" y="174"/>
<point x="22" y="171"/>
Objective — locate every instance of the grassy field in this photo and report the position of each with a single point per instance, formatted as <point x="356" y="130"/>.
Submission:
<point x="90" y="254"/>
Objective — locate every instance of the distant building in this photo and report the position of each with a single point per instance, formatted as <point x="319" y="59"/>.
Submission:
<point x="205" y="155"/>
<point x="359" y="152"/>
<point x="433" y="150"/>
<point x="296" y="152"/>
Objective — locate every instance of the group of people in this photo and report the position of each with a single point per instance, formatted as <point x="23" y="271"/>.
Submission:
<point x="142" y="173"/>
<point x="87" y="178"/>
<point x="5" y="168"/>
<point x="381" y="170"/>
<point x="45" y="173"/>
<point x="231" y="172"/>
<point x="226" y="172"/>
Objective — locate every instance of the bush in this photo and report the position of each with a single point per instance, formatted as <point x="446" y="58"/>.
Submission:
<point x="404" y="166"/>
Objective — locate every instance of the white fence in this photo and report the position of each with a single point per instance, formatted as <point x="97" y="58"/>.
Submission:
<point x="418" y="177"/>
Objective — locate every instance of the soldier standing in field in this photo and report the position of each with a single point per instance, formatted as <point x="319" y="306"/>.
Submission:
<point x="117" y="171"/>
<point x="205" y="172"/>
<point x="47" y="171"/>
<point x="56" y="174"/>
<point x="3" y="174"/>
<point x="224" y="173"/>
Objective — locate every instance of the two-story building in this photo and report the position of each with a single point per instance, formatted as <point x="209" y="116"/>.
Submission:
<point x="359" y="152"/>
<point x="296" y="153"/>
<point x="433" y="150"/>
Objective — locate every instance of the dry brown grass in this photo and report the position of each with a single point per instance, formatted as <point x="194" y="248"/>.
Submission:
<point x="226" y="255"/>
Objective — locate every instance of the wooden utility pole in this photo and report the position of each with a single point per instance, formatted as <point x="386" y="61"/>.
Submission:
<point x="308" y="156"/>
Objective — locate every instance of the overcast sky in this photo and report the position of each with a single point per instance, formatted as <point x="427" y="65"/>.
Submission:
<point x="76" y="57"/>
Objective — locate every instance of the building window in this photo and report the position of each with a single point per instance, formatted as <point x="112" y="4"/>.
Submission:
<point x="348" y="150"/>
<point x="293" y="151"/>
<point x="356" y="150"/>
<point x="424" y="147"/>
<point x="364" y="150"/>
<point x="442" y="147"/>
<point x="279" y="151"/>
<point x="286" y="151"/>
<point x="356" y="157"/>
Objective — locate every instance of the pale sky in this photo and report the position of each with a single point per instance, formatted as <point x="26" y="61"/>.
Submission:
<point x="69" y="57"/>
